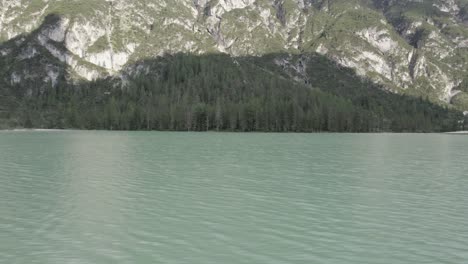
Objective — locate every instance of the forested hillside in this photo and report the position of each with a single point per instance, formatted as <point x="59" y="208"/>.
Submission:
<point x="217" y="92"/>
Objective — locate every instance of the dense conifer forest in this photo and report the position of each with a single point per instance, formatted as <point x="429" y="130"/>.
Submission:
<point x="219" y="93"/>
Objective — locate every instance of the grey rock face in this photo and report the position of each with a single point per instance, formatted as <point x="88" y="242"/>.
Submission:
<point x="415" y="47"/>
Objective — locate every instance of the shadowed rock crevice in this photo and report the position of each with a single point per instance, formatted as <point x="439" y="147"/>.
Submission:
<point x="280" y="11"/>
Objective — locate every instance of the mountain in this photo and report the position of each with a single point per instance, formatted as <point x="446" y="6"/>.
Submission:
<point x="414" y="48"/>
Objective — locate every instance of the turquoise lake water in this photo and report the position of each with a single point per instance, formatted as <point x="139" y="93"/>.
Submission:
<point x="153" y="197"/>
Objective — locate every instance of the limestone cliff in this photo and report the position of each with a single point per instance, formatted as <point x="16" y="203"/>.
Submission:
<point x="413" y="47"/>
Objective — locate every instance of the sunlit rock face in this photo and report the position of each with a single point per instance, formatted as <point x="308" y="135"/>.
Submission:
<point x="415" y="47"/>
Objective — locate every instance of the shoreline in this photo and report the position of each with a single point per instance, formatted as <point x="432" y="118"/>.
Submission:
<point x="457" y="133"/>
<point x="214" y="131"/>
<point x="35" y="129"/>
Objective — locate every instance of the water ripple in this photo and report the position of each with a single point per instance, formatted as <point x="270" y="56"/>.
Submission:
<point x="121" y="197"/>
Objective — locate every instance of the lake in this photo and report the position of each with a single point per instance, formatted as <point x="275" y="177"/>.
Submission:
<point x="155" y="197"/>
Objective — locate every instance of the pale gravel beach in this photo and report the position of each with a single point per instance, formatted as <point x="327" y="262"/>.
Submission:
<point x="458" y="132"/>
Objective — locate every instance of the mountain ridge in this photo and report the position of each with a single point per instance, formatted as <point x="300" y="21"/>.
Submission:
<point x="408" y="47"/>
<point x="277" y="92"/>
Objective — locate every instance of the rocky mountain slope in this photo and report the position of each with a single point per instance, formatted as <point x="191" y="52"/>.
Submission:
<point x="413" y="47"/>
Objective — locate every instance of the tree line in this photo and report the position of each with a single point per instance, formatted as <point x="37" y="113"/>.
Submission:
<point x="216" y="92"/>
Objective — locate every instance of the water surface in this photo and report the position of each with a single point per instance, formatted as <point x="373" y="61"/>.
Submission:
<point x="147" y="197"/>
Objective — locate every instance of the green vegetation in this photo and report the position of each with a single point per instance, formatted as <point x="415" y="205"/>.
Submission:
<point x="216" y="92"/>
<point x="100" y="45"/>
<point x="85" y="8"/>
<point x="464" y="85"/>
<point x="461" y="100"/>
